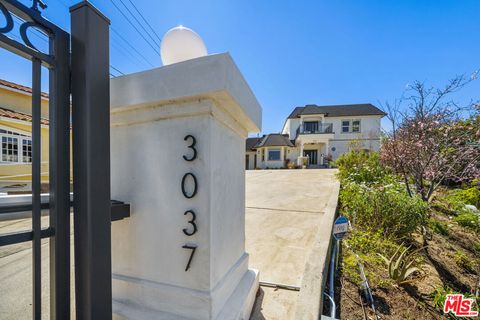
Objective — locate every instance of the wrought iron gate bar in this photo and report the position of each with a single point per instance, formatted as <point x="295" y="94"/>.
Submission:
<point x="25" y="52"/>
<point x="29" y="15"/>
<point x="36" y="184"/>
<point x="88" y="82"/>
<point x="32" y="19"/>
<point x="57" y="60"/>
<point x="118" y="211"/>
<point x="24" y="236"/>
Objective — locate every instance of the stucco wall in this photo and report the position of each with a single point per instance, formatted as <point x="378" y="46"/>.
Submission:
<point x="271" y="164"/>
<point x="22" y="172"/>
<point x="21" y="102"/>
<point x="342" y="146"/>
<point x="369" y="127"/>
<point x="251" y="160"/>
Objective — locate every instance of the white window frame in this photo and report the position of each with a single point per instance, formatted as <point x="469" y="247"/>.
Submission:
<point x="279" y="154"/>
<point x="350" y="125"/>
<point x="359" y="125"/>
<point x="21" y="139"/>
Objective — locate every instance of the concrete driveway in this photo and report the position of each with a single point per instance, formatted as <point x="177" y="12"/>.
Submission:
<point x="285" y="215"/>
<point x="287" y="210"/>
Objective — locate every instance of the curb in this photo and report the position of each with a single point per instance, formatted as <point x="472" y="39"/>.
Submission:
<point x="310" y="299"/>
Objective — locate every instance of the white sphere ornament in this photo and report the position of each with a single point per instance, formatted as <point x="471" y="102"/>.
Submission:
<point x="180" y="44"/>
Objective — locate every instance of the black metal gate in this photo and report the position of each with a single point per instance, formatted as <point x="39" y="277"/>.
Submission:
<point x="57" y="61"/>
<point x="82" y="71"/>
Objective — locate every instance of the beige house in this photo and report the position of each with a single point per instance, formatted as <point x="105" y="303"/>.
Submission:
<point x="16" y="137"/>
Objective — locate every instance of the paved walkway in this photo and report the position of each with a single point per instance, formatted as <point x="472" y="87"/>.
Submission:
<point x="285" y="213"/>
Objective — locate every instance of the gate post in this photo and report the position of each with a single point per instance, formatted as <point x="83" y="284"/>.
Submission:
<point x="91" y="161"/>
<point x="178" y="157"/>
<point x="59" y="111"/>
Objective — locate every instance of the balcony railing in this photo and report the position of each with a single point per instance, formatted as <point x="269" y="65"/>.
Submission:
<point x="318" y="129"/>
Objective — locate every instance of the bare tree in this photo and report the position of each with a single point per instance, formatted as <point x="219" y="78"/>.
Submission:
<point x="430" y="142"/>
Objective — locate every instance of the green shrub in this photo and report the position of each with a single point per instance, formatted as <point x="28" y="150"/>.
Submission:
<point x="438" y="227"/>
<point x="402" y="264"/>
<point x="464" y="261"/>
<point x="360" y="166"/>
<point x="469" y="220"/>
<point x="367" y="244"/>
<point x="439" y="295"/>
<point x="386" y="207"/>
<point x="443" y="208"/>
<point x="458" y="198"/>
<point x="476" y="246"/>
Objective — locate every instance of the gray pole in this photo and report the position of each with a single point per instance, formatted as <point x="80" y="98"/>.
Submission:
<point x="59" y="167"/>
<point x="91" y="162"/>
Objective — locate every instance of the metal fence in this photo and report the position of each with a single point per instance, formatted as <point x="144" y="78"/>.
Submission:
<point x="71" y="71"/>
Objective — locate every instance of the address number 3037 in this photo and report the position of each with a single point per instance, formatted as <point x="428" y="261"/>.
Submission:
<point x="189" y="193"/>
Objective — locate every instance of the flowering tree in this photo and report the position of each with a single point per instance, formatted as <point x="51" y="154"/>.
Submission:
<point x="430" y="142"/>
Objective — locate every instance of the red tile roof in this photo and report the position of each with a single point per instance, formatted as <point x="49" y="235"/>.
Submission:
<point x="19" y="87"/>
<point x="7" y="113"/>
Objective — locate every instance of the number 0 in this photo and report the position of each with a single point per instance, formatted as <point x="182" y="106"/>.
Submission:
<point x="184" y="179"/>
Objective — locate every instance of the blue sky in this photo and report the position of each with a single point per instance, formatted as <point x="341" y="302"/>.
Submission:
<point x="299" y="52"/>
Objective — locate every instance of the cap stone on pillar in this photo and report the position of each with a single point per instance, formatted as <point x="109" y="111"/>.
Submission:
<point x="200" y="110"/>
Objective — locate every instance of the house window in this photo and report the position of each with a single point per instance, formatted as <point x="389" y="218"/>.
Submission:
<point x="16" y="147"/>
<point x="356" y="126"/>
<point x="12" y="133"/>
<point x="350" y="126"/>
<point x="274" y="155"/>
<point x="27" y="150"/>
<point x="346" y="126"/>
<point x="9" y="149"/>
<point x="311" y="126"/>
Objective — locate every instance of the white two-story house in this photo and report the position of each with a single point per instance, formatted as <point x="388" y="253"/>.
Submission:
<point x="314" y="134"/>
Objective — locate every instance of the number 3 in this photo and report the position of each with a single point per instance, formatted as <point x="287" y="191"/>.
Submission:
<point x="192" y="146"/>
<point x="192" y="222"/>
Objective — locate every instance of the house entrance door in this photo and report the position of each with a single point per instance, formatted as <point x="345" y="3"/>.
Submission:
<point x="312" y="156"/>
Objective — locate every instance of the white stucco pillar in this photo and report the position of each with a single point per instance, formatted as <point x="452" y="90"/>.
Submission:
<point x="178" y="157"/>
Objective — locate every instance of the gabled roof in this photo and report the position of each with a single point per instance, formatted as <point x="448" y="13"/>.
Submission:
<point x="19" y="87"/>
<point x="274" y="140"/>
<point x="7" y="113"/>
<point x="366" y="109"/>
<point x="251" y="142"/>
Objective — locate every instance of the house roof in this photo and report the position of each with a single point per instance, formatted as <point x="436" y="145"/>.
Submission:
<point x="251" y="142"/>
<point x="274" y="140"/>
<point x="7" y="113"/>
<point x="19" y="87"/>
<point x="366" y="109"/>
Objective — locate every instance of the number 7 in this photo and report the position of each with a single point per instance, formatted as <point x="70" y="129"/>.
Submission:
<point x="193" y="248"/>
